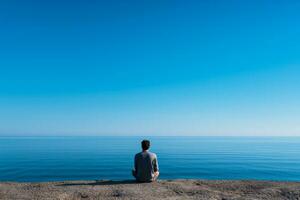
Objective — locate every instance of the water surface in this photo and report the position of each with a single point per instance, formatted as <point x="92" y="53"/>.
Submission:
<point x="82" y="158"/>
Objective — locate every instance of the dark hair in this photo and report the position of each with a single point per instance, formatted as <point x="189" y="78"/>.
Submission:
<point x="145" y="144"/>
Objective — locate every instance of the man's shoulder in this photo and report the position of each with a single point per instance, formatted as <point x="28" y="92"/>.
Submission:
<point x="138" y="154"/>
<point x="152" y="154"/>
<point x="148" y="152"/>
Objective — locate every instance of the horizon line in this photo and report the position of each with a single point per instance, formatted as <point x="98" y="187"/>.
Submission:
<point x="260" y="136"/>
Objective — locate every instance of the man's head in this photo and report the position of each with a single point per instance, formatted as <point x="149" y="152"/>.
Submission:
<point x="145" y="145"/>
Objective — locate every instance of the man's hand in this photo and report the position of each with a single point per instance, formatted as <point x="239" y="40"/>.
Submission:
<point x="156" y="174"/>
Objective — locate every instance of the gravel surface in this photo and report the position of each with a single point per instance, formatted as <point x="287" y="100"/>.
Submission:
<point x="163" y="189"/>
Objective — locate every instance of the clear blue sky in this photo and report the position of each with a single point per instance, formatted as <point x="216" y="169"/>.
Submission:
<point x="149" y="67"/>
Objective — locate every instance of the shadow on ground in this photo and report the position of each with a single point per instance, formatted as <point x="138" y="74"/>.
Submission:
<point x="101" y="182"/>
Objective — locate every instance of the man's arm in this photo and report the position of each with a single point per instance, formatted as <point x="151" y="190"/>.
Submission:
<point x="155" y="169"/>
<point x="155" y="164"/>
<point x="135" y="163"/>
<point x="134" y="171"/>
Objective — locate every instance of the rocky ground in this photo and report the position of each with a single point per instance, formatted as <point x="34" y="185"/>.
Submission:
<point x="166" y="189"/>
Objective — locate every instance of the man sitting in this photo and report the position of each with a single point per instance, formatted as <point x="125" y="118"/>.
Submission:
<point x="145" y="164"/>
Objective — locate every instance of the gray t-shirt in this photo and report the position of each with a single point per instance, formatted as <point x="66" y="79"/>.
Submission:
<point x="145" y="164"/>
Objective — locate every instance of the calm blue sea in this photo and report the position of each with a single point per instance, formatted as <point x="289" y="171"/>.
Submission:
<point x="83" y="158"/>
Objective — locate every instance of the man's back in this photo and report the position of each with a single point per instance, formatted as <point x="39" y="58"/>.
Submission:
<point x="146" y="165"/>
